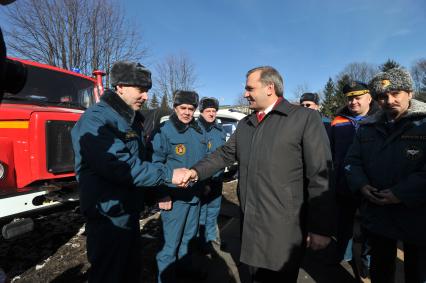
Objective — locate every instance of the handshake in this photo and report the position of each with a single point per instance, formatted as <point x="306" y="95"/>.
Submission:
<point x="183" y="177"/>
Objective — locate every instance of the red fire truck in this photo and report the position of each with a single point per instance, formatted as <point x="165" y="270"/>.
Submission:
<point x="36" y="155"/>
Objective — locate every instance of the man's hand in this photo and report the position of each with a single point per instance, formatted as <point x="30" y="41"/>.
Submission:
<point x="165" y="203"/>
<point x="317" y="242"/>
<point x="190" y="176"/>
<point x="180" y="177"/>
<point x="387" y="197"/>
<point x="371" y="193"/>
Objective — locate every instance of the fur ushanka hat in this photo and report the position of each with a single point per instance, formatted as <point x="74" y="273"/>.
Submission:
<point x="130" y="74"/>
<point x="185" y="97"/>
<point x="393" y="79"/>
<point x="208" y="102"/>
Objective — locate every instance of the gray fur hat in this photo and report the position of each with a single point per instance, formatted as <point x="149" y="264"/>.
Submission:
<point x="185" y="97"/>
<point x="208" y="102"/>
<point x="130" y="74"/>
<point x="392" y="79"/>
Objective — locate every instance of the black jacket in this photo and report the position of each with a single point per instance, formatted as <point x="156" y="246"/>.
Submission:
<point x="392" y="156"/>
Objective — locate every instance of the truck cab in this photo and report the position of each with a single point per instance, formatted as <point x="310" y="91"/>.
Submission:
<point x="36" y="156"/>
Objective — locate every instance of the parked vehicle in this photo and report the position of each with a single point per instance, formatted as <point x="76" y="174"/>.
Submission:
<point x="36" y="156"/>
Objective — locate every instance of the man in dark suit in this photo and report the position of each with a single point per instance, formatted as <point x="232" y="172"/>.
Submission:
<point x="284" y="161"/>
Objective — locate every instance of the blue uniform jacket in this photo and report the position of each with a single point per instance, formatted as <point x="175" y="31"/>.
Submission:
<point x="179" y="145"/>
<point x="391" y="156"/>
<point x="109" y="153"/>
<point x="215" y="137"/>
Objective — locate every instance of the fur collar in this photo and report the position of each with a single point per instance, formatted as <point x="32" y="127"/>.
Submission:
<point x="207" y="125"/>
<point x="118" y="104"/>
<point x="415" y="110"/>
<point x="181" y="127"/>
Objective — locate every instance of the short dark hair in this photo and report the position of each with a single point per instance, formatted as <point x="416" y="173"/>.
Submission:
<point x="269" y="75"/>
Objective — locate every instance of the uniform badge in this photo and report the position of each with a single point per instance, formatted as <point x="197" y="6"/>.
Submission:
<point x="180" y="149"/>
<point x="413" y="152"/>
<point x="385" y="83"/>
<point x="130" y="135"/>
<point x="352" y="84"/>
<point x="209" y="145"/>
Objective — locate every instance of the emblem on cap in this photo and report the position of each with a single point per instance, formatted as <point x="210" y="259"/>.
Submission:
<point x="209" y="145"/>
<point x="353" y="84"/>
<point x="180" y="149"/>
<point x="413" y="152"/>
<point x="385" y="83"/>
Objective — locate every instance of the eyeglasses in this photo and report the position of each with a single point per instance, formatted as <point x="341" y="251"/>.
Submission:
<point x="306" y="104"/>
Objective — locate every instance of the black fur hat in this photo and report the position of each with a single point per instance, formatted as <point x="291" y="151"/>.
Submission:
<point x="185" y="97"/>
<point x="309" y="96"/>
<point x="130" y="74"/>
<point x="208" y="102"/>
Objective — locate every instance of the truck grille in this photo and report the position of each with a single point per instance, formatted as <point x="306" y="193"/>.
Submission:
<point x="59" y="152"/>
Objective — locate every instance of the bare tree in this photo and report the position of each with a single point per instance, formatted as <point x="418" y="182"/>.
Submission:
<point x="418" y="71"/>
<point x="356" y="71"/>
<point x="242" y="104"/>
<point x="84" y="34"/>
<point x="299" y="90"/>
<point x="176" y="72"/>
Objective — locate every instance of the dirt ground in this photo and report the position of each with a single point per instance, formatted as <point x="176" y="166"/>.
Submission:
<point x="56" y="250"/>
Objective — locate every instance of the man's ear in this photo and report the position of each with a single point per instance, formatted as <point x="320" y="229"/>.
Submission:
<point x="119" y="89"/>
<point x="270" y="89"/>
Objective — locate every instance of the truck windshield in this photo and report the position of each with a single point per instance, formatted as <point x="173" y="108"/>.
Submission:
<point x="49" y="87"/>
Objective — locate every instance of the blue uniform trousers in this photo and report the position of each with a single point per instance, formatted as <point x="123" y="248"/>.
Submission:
<point x="180" y="226"/>
<point x="210" y="207"/>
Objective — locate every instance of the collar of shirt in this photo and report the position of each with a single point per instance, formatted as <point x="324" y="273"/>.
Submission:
<point x="261" y="115"/>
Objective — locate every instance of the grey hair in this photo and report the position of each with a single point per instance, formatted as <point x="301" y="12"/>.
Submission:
<point x="269" y="75"/>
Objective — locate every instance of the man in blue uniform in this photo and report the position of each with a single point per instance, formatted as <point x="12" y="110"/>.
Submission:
<point x="109" y="163"/>
<point x="179" y="142"/>
<point x="212" y="194"/>
<point x="386" y="164"/>
<point x="360" y="105"/>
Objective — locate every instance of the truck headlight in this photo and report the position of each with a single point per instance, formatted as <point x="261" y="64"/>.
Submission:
<point x="2" y="170"/>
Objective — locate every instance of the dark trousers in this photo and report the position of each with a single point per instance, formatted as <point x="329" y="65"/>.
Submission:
<point x="288" y="274"/>
<point x="383" y="261"/>
<point x="114" y="253"/>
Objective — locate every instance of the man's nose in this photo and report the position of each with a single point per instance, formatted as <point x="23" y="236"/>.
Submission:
<point x="145" y="95"/>
<point x="246" y="94"/>
<point x="389" y="99"/>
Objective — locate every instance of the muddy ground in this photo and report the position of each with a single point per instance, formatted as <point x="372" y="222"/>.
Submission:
<point x="56" y="250"/>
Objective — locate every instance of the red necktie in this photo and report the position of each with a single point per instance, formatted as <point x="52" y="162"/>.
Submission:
<point x="260" y="116"/>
